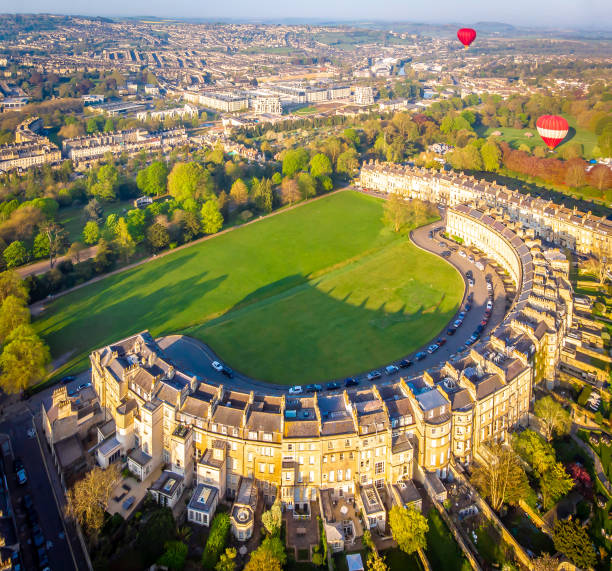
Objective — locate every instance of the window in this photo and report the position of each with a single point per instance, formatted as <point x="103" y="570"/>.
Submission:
<point x="224" y="429"/>
<point x="290" y="447"/>
<point x="234" y="446"/>
<point x="252" y="435"/>
<point x="213" y="427"/>
<point x="271" y="468"/>
<point x="267" y="436"/>
<point x="301" y="446"/>
<point x="339" y="475"/>
<point x="379" y="467"/>
<point x="330" y="445"/>
<point x="234" y="431"/>
<point x="348" y="473"/>
<point x="311" y="460"/>
<point x="331" y="476"/>
<point x="311" y="476"/>
<point x="262" y="467"/>
<point x="250" y="457"/>
<point x="347" y="443"/>
<point x="287" y="476"/>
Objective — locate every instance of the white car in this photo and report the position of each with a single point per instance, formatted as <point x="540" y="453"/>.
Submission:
<point x="296" y="390"/>
<point x="471" y="282"/>
<point x="217" y="366"/>
<point x="462" y="254"/>
<point x="391" y="369"/>
<point x="489" y="305"/>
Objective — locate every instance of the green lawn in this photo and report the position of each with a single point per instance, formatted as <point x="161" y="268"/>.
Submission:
<point x="321" y="291"/>
<point x="73" y="220"/>
<point x="442" y="549"/>
<point x="516" y="137"/>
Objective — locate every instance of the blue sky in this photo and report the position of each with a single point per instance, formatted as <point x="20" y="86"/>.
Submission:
<point x="545" y="13"/>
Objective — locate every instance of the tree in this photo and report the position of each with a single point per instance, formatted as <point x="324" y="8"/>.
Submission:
<point x="15" y="254"/>
<point x="275" y="546"/>
<point x="409" y="528"/>
<point x="575" y="176"/>
<point x="227" y="561"/>
<point x="536" y="451"/>
<point x="306" y="185"/>
<point x="124" y="239"/>
<point x="91" y="233"/>
<point x="153" y="179"/>
<point x="239" y="193"/>
<point x="262" y="195"/>
<point x="158" y="236"/>
<point x="574" y="542"/>
<point x="272" y="519"/>
<point x="219" y="530"/>
<point x="294" y="161"/>
<point x="395" y="212"/>
<point x="175" y="556"/>
<point x="348" y="163"/>
<point x="376" y="562"/>
<point x="491" y="156"/>
<point x="93" y="210"/>
<point x="23" y="360"/>
<point x="88" y="498"/>
<point x="290" y="191"/>
<point x="13" y="313"/>
<point x="106" y="183"/>
<point x="55" y="236"/>
<point x="190" y="180"/>
<point x="263" y="560"/>
<point x="40" y="249"/>
<point x="74" y="252"/>
<point x="212" y="219"/>
<point x="553" y="417"/>
<point x="320" y="166"/>
<point x="501" y="478"/>
<point x="11" y="284"/>
<point x="554" y="484"/>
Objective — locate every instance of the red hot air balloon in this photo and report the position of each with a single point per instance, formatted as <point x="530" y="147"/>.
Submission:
<point x="466" y="36"/>
<point x="552" y="129"/>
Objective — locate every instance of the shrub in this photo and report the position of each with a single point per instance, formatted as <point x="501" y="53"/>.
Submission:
<point x="584" y="396"/>
<point x="217" y="539"/>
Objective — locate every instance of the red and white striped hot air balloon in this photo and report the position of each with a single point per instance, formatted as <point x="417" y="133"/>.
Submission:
<point x="552" y="129"/>
<point x="466" y="36"/>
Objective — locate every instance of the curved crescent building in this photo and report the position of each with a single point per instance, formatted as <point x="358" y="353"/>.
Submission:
<point x="362" y="446"/>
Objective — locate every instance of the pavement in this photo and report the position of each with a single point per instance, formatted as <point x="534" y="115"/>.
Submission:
<point x="195" y="357"/>
<point x="43" y="266"/>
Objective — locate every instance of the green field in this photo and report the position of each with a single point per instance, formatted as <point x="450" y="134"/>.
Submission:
<point x="320" y="291"/>
<point x="516" y="137"/>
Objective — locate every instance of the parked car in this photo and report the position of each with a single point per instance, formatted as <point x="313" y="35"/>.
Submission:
<point x="446" y="254"/>
<point x="471" y="259"/>
<point x="67" y="379"/>
<point x="489" y="286"/>
<point x="470" y="297"/>
<point x="227" y="372"/>
<point x="404" y="363"/>
<point x="471" y="282"/>
<point x="489" y="304"/>
<point x="296" y="390"/>
<point x="373" y="375"/>
<point x="351" y="382"/>
<point x="467" y="307"/>
<point x="462" y="254"/>
<point x="433" y="348"/>
<point x="420" y="356"/>
<point x="440" y="341"/>
<point x="461" y="315"/>
<point x="457" y="323"/>
<point x="332" y="386"/>
<point x="128" y="503"/>
<point x="391" y="369"/>
<point x="217" y="366"/>
<point x="479" y="265"/>
<point x="451" y="330"/>
<point x="20" y="472"/>
<point x="37" y="536"/>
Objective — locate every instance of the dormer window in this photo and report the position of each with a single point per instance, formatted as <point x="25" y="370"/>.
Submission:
<point x="252" y="435"/>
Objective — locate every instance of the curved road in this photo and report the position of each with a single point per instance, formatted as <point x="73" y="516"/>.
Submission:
<point x="195" y="357"/>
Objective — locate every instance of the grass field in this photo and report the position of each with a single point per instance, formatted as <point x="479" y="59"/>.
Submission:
<point x="320" y="291"/>
<point x="516" y="137"/>
<point x="72" y="218"/>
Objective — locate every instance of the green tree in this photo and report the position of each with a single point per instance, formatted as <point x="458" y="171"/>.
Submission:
<point x="136" y="223"/>
<point x="294" y="161"/>
<point x="15" y="254"/>
<point x="11" y="284"/>
<point x="153" y="180"/>
<point x="275" y="546"/>
<point x="395" y="212"/>
<point x="13" y="313"/>
<point x="501" y="478"/>
<point x="545" y="562"/>
<point x="23" y="360"/>
<point x="109" y="125"/>
<point x="306" y="185"/>
<point x="40" y="249"/>
<point x="190" y="180"/>
<point x="262" y="195"/>
<point x="217" y="538"/>
<point x="107" y="181"/>
<point x="604" y="141"/>
<point x="348" y="163"/>
<point x="124" y="239"/>
<point x="239" y="193"/>
<point x="409" y="528"/>
<point x="263" y="560"/>
<point x="272" y="519"/>
<point x="376" y="562"/>
<point x="55" y="236"/>
<point x="227" y="561"/>
<point x="91" y="233"/>
<point x="212" y="219"/>
<point x="175" y="556"/>
<point x="320" y="166"/>
<point x="553" y="417"/>
<point x="491" y="156"/>
<point x="554" y="484"/>
<point x="532" y="448"/>
<point x="158" y="236"/>
<point x="571" y="539"/>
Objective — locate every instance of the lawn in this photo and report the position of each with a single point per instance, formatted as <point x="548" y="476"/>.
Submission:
<point x="73" y="220"/>
<point x="516" y="137"/>
<point x="397" y="560"/>
<point x="442" y="549"/>
<point x="323" y="290"/>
